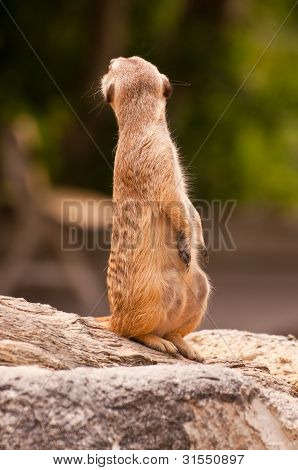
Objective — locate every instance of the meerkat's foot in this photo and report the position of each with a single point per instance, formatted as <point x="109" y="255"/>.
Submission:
<point x="157" y="343"/>
<point x="185" y="349"/>
<point x="184" y="249"/>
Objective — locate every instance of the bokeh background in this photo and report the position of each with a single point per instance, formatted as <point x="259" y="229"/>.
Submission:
<point x="234" y="114"/>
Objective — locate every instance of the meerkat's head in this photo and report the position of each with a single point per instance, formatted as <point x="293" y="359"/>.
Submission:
<point x="134" y="80"/>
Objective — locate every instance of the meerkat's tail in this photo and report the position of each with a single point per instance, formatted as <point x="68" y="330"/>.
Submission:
<point x="104" y="321"/>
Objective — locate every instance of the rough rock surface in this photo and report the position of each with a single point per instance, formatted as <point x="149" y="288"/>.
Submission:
<point x="65" y="383"/>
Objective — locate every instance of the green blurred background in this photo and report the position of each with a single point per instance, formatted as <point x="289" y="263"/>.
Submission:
<point x="234" y="65"/>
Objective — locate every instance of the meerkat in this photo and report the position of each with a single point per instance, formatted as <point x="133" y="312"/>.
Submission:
<point x="157" y="290"/>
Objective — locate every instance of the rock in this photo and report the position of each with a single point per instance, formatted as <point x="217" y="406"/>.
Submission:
<point x="66" y="383"/>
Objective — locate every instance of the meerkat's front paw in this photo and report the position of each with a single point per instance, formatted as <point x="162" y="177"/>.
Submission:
<point x="203" y="255"/>
<point x="184" y="249"/>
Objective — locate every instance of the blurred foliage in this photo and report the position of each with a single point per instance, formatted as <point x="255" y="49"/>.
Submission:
<point x="251" y="155"/>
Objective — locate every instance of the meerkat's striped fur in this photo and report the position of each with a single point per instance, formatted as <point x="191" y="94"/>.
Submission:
<point x="157" y="290"/>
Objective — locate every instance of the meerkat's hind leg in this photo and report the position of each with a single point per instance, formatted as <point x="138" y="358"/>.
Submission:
<point x="185" y="349"/>
<point x="157" y="343"/>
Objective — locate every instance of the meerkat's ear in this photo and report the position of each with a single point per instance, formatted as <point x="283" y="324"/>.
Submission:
<point x="167" y="87"/>
<point x="109" y="94"/>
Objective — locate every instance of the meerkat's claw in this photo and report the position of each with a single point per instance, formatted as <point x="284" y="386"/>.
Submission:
<point x="185" y="258"/>
<point x="184" y="250"/>
<point x="204" y="255"/>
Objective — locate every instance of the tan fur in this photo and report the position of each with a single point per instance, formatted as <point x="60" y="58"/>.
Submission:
<point x="157" y="290"/>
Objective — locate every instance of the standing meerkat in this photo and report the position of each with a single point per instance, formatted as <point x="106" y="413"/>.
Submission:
<point x="157" y="290"/>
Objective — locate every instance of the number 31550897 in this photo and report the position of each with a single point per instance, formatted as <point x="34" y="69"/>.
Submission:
<point x="201" y="459"/>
